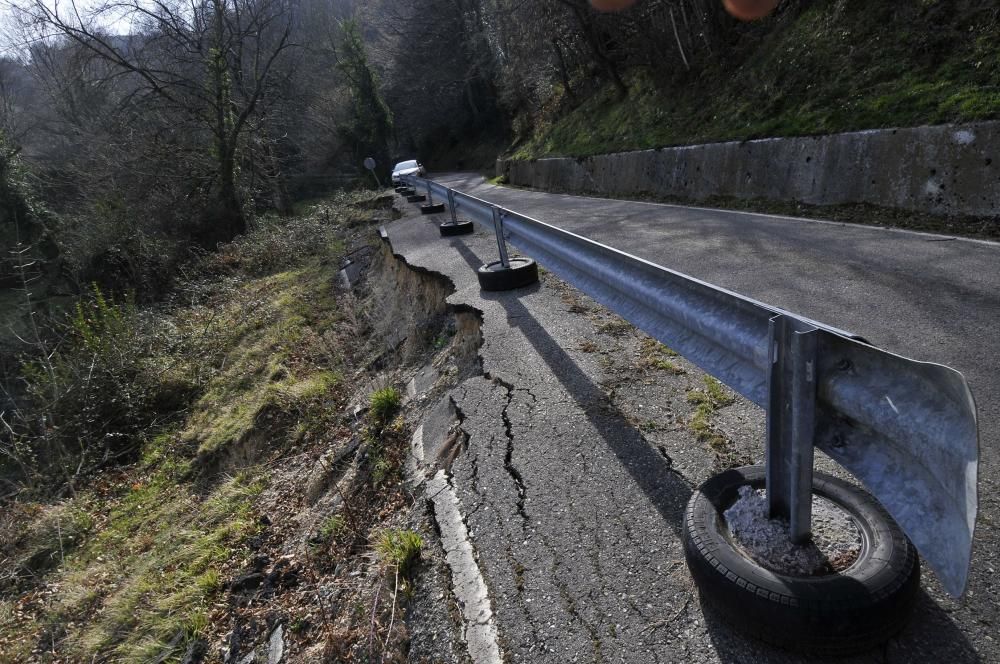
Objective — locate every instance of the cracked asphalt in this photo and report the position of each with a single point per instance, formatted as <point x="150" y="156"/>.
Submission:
<point x="578" y="466"/>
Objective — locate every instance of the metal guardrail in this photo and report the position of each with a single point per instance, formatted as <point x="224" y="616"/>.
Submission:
<point x="908" y="430"/>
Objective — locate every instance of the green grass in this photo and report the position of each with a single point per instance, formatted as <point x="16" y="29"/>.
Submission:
<point x="383" y="405"/>
<point x="143" y="585"/>
<point x="654" y="355"/>
<point x="840" y="66"/>
<point x="707" y="402"/>
<point x="331" y="527"/>
<point x="400" y="549"/>
<point x="274" y="326"/>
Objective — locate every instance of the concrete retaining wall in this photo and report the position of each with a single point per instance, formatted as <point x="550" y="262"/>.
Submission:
<point x="950" y="169"/>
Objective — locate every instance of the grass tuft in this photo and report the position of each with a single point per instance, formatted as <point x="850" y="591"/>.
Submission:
<point x="383" y="405"/>
<point x="654" y="355"/>
<point x="707" y="402"/>
<point x="400" y="549"/>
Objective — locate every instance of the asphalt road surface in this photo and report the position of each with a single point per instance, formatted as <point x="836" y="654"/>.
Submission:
<point x="570" y="536"/>
<point x="928" y="297"/>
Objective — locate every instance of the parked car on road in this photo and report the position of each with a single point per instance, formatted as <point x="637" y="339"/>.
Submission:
<point x="411" y="167"/>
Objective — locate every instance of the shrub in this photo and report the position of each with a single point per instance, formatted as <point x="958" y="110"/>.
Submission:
<point x="86" y="399"/>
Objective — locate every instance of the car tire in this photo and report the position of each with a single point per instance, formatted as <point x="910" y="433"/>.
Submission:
<point x="495" y="277"/>
<point x="836" y="614"/>
<point x="450" y="229"/>
<point x="416" y="198"/>
<point x="432" y="208"/>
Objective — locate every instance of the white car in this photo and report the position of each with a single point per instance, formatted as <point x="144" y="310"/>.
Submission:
<point x="411" y="167"/>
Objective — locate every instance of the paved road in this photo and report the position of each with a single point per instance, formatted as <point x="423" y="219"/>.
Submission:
<point x="930" y="297"/>
<point x="570" y="534"/>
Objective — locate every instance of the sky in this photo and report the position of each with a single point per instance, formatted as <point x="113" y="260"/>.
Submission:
<point x="13" y="42"/>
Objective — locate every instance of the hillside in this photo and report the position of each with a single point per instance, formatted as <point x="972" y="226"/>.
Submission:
<point x="252" y="481"/>
<point x="834" y="66"/>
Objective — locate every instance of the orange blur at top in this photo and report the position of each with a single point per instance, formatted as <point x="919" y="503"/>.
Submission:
<point x="611" y="5"/>
<point x="744" y="10"/>
<point x="750" y="10"/>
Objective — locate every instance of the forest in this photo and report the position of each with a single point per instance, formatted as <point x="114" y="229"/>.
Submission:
<point x="134" y="130"/>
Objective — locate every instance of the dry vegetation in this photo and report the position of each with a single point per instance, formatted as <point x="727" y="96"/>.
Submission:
<point x="210" y="538"/>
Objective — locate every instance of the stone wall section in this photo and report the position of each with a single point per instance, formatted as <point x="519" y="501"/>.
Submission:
<point x="947" y="169"/>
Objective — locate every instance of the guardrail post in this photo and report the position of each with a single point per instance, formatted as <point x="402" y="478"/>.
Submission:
<point x="791" y="423"/>
<point x="501" y="242"/>
<point x="430" y="194"/>
<point x="451" y="206"/>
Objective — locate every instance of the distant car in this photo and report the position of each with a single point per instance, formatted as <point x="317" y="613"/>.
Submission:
<point x="411" y="167"/>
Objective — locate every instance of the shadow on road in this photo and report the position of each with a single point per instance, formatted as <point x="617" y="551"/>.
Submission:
<point x="932" y="635"/>
<point x="667" y="490"/>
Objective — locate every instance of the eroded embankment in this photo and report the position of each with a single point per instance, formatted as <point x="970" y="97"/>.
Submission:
<point x="273" y="519"/>
<point x="417" y="298"/>
<point x="409" y="318"/>
<point x="359" y="494"/>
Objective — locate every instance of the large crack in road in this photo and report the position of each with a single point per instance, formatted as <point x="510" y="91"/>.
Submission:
<point x="572" y="495"/>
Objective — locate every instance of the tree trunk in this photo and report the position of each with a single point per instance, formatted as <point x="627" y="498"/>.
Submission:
<point x="610" y="66"/>
<point x="470" y="98"/>
<point x="231" y="221"/>
<point x="563" y="72"/>
<point x="228" y="218"/>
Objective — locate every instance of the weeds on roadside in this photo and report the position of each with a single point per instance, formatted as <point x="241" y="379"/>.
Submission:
<point x="400" y="550"/>
<point x="655" y="355"/>
<point x="332" y="527"/>
<point x="707" y="402"/>
<point x="383" y="433"/>
<point x="615" y="327"/>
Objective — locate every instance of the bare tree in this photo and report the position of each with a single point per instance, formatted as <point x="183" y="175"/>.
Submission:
<point x="209" y="62"/>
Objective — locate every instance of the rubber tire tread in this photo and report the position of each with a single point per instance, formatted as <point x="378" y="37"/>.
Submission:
<point x="838" y="614"/>
<point x="522" y="272"/>
<point x="432" y="208"/>
<point x="460" y="228"/>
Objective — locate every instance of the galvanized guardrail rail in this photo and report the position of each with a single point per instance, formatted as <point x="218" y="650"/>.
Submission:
<point x="907" y="429"/>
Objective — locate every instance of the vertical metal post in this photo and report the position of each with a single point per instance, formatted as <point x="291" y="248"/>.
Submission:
<point x="501" y="242"/>
<point x="430" y="194"/>
<point x="451" y="206"/>
<point x="791" y="423"/>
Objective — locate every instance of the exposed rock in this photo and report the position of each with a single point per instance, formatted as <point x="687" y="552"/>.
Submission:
<point x="196" y="652"/>
<point x="276" y="646"/>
